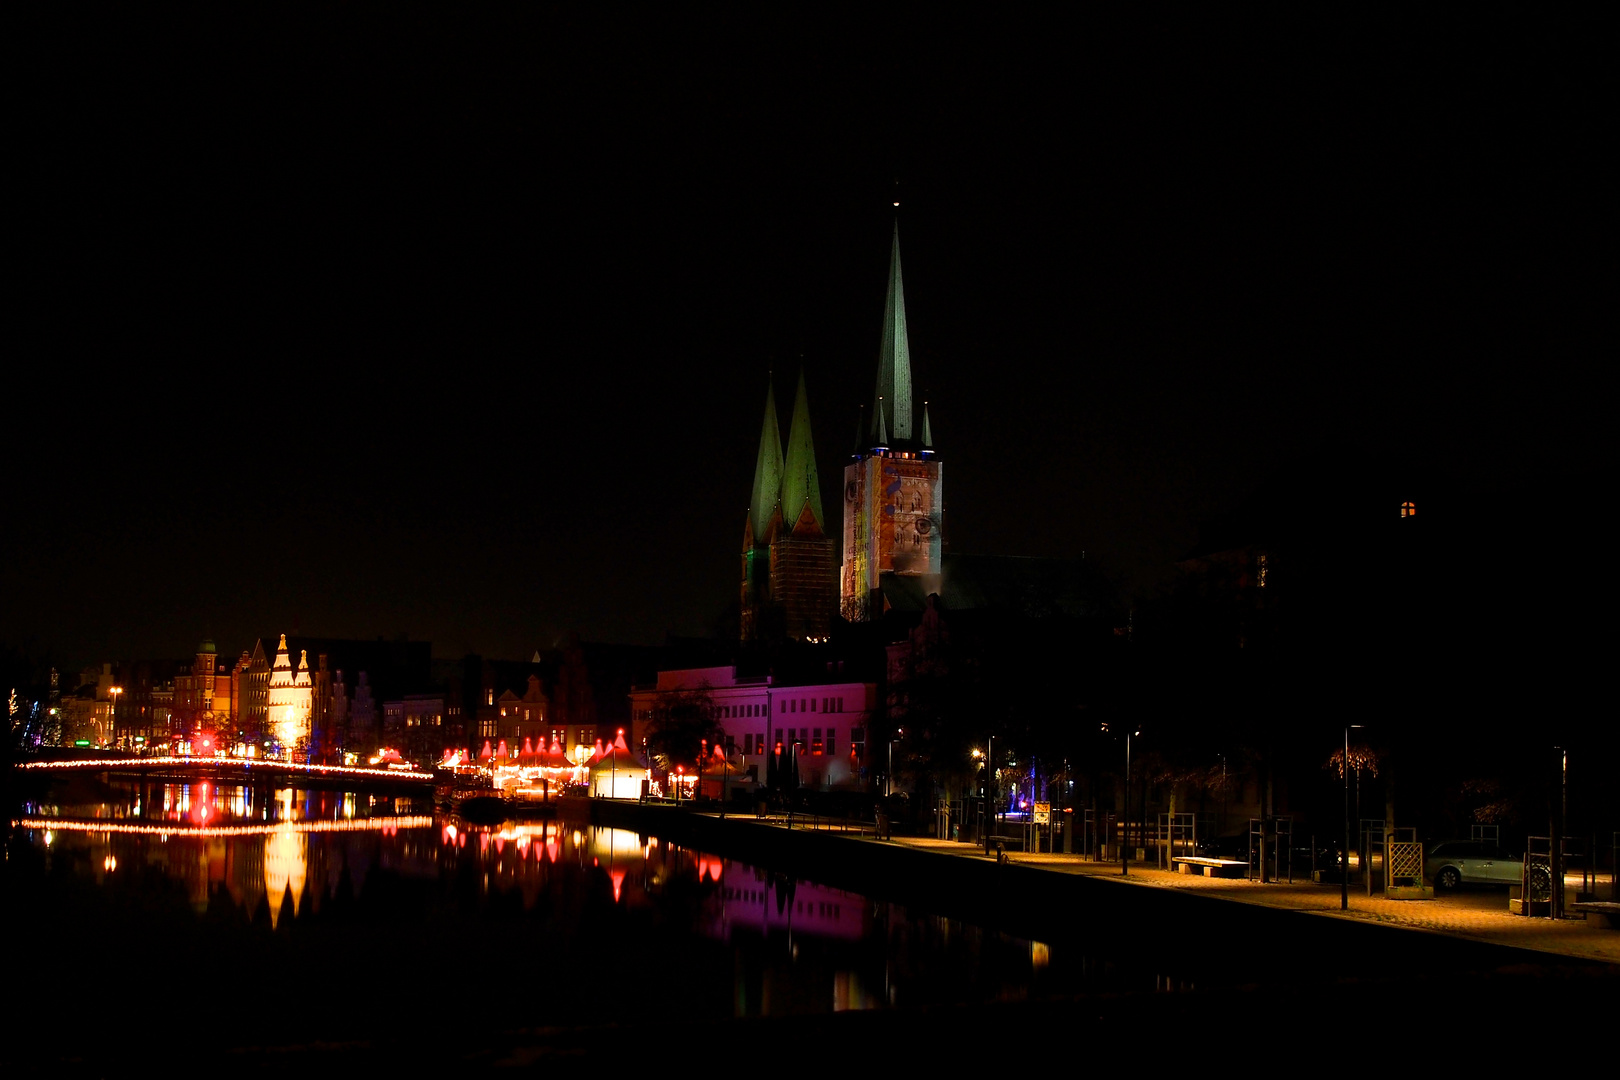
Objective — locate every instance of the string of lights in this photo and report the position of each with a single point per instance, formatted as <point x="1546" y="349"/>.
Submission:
<point x="272" y="766"/>
<point x="384" y="825"/>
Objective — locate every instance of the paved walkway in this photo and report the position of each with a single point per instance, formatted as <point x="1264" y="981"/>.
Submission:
<point x="1479" y="914"/>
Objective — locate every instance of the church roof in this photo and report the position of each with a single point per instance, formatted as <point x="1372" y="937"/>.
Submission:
<point x="767" y="470"/>
<point x="892" y="401"/>
<point x="800" y="487"/>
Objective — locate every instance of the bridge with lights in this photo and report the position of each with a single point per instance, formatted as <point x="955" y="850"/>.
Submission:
<point x="239" y="770"/>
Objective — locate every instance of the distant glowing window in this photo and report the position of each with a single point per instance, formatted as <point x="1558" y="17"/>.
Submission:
<point x="489" y="697"/>
<point x="1408" y="509"/>
<point x="1260" y="571"/>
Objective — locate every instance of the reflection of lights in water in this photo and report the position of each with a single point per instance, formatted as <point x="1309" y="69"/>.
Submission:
<point x="110" y="863"/>
<point x="1040" y="955"/>
<point x="285" y="859"/>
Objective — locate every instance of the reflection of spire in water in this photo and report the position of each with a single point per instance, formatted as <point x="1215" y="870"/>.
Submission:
<point x="285" y="859"/>
<point x="616" y="848"/>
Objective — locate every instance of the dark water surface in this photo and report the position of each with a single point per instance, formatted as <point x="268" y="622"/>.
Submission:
<point x="298" y="914"/>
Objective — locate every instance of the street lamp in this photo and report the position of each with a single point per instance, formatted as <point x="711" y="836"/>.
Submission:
<point x="1344" y="854"/>
<point x="112" y="716"/>
<point x="989" y="790"/>
<point x="889" y="779"/>
<point x="1124" y="848"/>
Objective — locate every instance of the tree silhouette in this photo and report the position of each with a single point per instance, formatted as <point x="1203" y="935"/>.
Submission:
<point x="680" y="723"/>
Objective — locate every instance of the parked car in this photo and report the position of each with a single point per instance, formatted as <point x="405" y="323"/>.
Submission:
<point x="1470" y="862"/>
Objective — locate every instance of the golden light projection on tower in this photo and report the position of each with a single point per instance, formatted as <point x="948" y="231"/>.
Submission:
<point x="291" y="700"/>
<point x="894" y="502"/>
<point x="286" y="858"/>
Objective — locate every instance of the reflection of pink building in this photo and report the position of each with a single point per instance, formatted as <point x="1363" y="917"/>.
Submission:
<point x="750" y="900"/>
<point x="827" y="720"/>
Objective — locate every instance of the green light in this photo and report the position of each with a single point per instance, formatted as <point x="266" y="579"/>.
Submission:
<point x="81" y="742"/>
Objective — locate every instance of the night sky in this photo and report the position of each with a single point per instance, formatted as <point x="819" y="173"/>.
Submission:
<point x="462" y="329"/>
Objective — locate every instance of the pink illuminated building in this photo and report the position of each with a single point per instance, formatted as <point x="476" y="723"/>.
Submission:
<point x="827" y="721"/>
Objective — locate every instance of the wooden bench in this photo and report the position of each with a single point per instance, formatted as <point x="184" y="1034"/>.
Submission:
<point x="1599" y="915"/>
<point x="1193" y="864"/>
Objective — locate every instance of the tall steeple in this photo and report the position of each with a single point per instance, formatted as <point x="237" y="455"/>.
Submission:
<point x="892" y="399"/>
<point x="894" y="510"/>
<point x="767" y="470"/>
<point x="800" y="487"/>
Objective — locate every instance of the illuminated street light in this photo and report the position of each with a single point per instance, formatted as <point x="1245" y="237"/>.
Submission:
<point x="1344" y="853"/>
<point x="989" y="790"/>
<point x="112" y="715"/>
<point x="889" y="780"/>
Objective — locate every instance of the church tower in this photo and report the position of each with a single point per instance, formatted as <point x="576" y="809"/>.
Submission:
<point x="893" y="499"/>
<point x="789" y="566"/>
<point x="763" y="512"/>
<point x="290" y="699"/>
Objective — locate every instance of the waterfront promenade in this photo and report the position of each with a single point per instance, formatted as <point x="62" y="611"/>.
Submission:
<point x="1479" y="915"/>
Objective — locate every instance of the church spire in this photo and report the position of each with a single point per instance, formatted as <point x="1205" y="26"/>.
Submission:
<point x="800" y="487"/>
<point x="892" y="409"/>
<point x="928" y="432"/>
<point x="767" y="470"/>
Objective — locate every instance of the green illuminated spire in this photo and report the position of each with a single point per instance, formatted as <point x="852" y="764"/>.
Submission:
<point x="799" y="484"/>
<point x="767" y="470"/>
<point x="928" y="432"/>
<point x="892" y="409"/>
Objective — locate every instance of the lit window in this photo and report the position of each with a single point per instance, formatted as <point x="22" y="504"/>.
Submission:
<point x="1408" y="509"/>
<point x="1260" y="571"/>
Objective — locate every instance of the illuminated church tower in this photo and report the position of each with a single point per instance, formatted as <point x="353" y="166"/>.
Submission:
<point x="291" y="699"/>
<point x="893" y="501"/>
<point x="788" y="562"/>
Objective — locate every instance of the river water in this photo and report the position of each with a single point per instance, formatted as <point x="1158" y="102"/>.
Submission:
<point x="342" y="911"/>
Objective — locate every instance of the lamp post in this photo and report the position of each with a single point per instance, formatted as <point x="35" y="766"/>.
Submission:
<point x="112" y="713"/>
<point x="889" y="779"/>
<point x="1344" y="855"/>
<point x="1125" y="846"/>
<point x="1555" y="846"/>
<point x="725" y="779"/>
<point x="989" y="790"/>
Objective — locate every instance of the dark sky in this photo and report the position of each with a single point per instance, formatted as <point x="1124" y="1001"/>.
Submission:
<point x="462" y="328"/>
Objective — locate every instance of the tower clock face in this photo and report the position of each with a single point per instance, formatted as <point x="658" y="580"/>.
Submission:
<point x="924" y="526"/>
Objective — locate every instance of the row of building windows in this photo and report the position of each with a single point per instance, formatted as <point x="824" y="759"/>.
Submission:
<point x="814" y="740"/>
<point x="814" y="907"/>
<point x="784" y="706"/>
